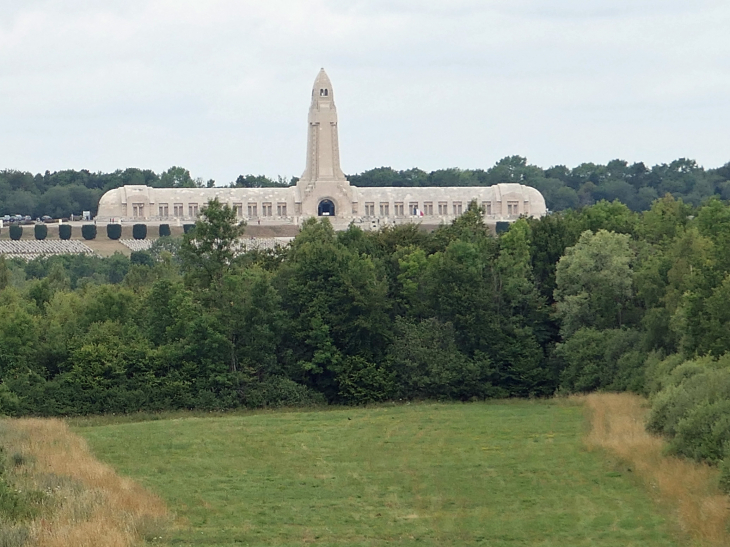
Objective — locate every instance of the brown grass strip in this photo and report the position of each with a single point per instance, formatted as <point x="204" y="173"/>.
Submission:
<point x="689" y="489"/>
<point x="91" y="505"/>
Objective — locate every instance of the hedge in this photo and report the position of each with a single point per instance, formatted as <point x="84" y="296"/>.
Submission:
<point x="40" y="231"/>
<point x="64" y="231"/>
<point x="165" y="230"/>
<point x="187" y="228"/>
<point x="502" y="226"/>
<point x="114" y="231"/>
<point x="16" y="232"/>
<point x="88" y="231"/>
<point x="139" y="231"/>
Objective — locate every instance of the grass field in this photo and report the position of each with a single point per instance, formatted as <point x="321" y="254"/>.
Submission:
<point x="500" y="474"/>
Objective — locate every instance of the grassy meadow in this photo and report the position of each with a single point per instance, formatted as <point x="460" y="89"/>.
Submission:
<point x="498" y="474"/>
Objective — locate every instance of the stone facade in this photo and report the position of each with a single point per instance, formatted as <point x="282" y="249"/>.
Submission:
<point x="324" y="191"/>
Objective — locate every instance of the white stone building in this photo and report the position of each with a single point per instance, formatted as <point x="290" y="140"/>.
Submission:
<point x="323" y="191"/>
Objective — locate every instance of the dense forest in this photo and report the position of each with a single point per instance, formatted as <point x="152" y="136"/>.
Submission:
<point x="63" y="193"/>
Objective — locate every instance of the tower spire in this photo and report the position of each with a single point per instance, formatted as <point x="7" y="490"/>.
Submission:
<point x="323" y="149"/>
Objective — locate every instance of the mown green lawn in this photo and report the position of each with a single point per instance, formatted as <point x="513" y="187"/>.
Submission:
<point x="499" y="474"/>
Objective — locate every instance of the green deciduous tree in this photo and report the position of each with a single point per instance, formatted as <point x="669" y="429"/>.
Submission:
<point x="336" y="305"/>
<point x="208" y="251"/>
<point x="427" y="363"/>
<point x="177" y="177"/>
<point x="594" y="282"/>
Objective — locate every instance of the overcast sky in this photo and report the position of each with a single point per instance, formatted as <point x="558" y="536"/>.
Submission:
<point x="222" y="87"/>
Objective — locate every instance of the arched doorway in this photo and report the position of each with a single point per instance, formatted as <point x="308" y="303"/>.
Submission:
<point x="326" y="208"/>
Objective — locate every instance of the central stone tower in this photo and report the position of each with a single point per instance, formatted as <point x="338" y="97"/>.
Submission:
<point x="323" y="189"/>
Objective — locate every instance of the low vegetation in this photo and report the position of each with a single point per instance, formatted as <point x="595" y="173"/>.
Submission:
<point x="688" y="490"/>
<point x="53" y="493"/>
<point x="440" y="474"/>
<point x="504" y="473"/>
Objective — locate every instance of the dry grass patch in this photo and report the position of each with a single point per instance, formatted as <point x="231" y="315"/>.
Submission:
<point x="79" y="501"/>
<point x="689" y="489"/>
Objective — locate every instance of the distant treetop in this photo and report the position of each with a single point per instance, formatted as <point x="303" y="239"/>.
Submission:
<point x="63" y="193"/>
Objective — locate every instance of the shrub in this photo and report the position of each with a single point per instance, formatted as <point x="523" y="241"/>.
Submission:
<point x="724" y="482"/>
<point x="427" y="364"/>
<point x="9" y="403"/>
<point x="88" y="231"/>
<point x="677" y="402"/>
<point x="114" y="231"/>
<point x="502" y="226"/>
<point x="704" y="433"/>
<point x="165" y="230"/>
<point x="187" y="228"/>
<point x="658" y="371"/>
<point x="362" y="382"/>
<point x="64" y="231"/>
<point x="279" y="391"/>
<point x="601" y="359"/>
<point x="16" y="232"/>
<point x="40" y="231"/>
<point x="139" y="231"/>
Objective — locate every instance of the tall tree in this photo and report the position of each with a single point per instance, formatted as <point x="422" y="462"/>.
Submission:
<point x="337" y="308"/>
<point x="208" y="251"/>
<point x="594" y="282"/>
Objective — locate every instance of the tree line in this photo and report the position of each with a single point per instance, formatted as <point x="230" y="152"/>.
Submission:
<point x="349" y="318"/>
<point x="63" y="193"/>
<point x="635" y="185"/>
<point x="600" y="298"/>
